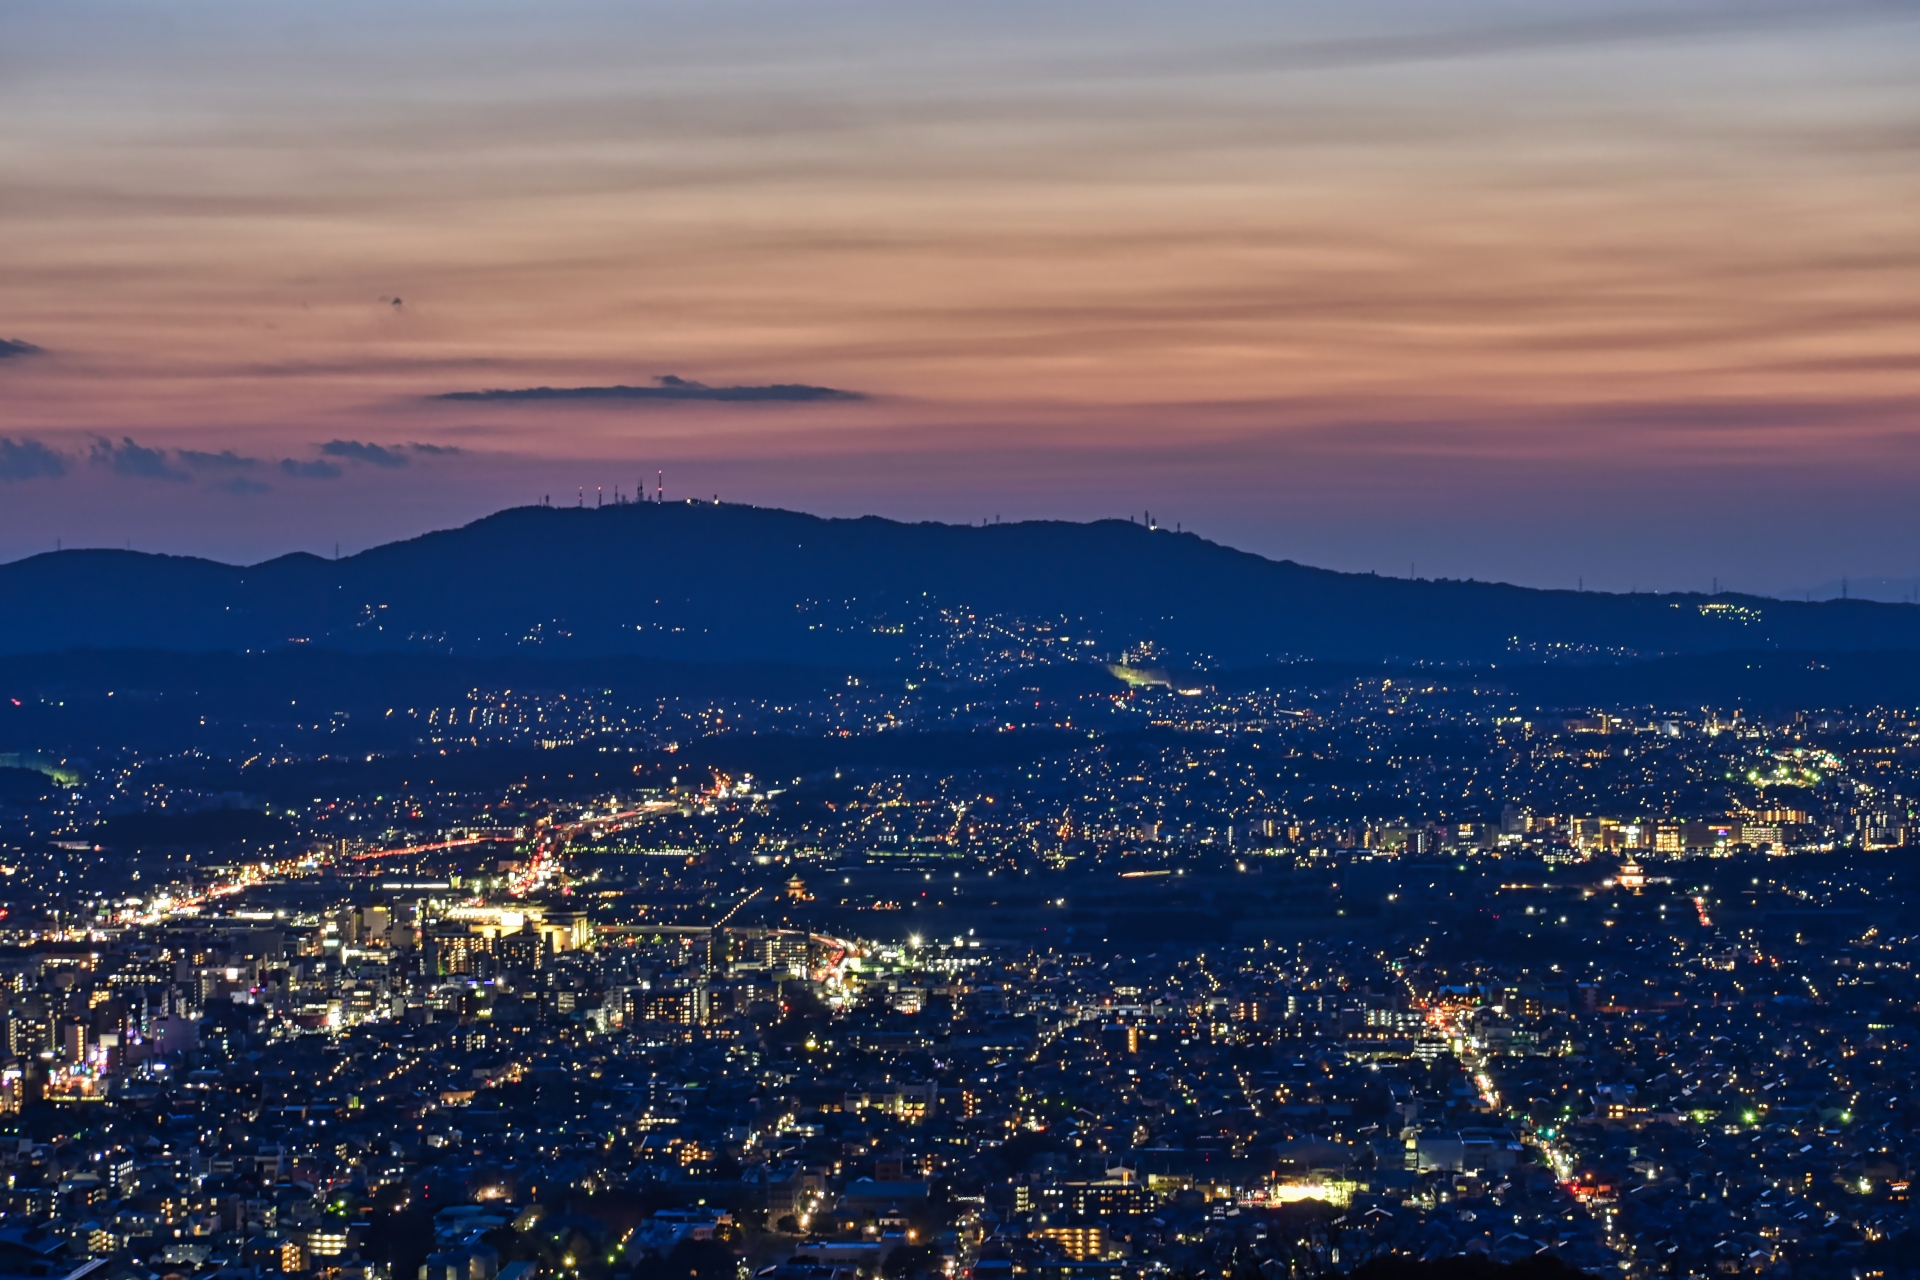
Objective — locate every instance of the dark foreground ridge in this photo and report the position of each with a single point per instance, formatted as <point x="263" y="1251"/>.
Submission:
<point x="721" y="583"/>
<point x="1472" y="1266"/>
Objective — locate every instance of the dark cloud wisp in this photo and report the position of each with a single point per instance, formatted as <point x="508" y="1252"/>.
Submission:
<point x="29" y="460"/>
<point x="11" y="347"/>
<point x="130" y="459"/>
<point x="237" y="473"/>
<point x="225" y="460"/>
<point x="378" y="455"/>
<point x="667" y="387"/>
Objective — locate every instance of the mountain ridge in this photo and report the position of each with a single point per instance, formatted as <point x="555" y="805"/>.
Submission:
<point x="727" y="582"/>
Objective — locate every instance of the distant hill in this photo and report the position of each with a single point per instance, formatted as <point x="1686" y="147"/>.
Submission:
<point x="719" y="583"/>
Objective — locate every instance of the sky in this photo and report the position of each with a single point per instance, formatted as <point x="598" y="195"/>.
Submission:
<point x="1623" y="294"/>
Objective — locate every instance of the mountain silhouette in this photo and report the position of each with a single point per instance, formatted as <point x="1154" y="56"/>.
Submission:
<point x="718" y="583"/>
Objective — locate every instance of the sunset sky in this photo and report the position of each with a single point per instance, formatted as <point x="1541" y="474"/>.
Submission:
<point x="1622" y="293"/>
